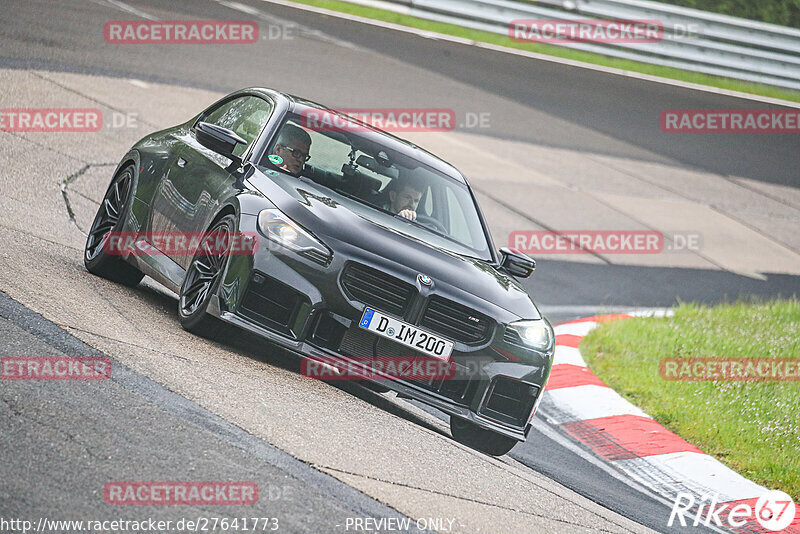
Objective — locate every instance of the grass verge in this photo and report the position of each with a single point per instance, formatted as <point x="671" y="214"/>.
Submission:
<point x="557" y="51"/>
<point x="752" y="427"/>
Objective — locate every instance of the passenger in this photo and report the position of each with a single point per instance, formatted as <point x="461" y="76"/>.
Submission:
<point x="293" y="146"/>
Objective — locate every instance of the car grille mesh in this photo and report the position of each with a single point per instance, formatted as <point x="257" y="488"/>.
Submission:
<point x="376" y="288"/>
<point x="392" y="295"/>
<point x="455" y="321"/>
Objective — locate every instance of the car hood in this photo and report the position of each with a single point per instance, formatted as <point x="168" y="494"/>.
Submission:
<point x="329" y="215"/>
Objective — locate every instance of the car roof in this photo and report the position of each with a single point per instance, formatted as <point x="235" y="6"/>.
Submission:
<point x="299" y="105"/>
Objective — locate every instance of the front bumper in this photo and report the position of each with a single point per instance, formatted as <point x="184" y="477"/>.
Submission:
<point x="301" y="305"/>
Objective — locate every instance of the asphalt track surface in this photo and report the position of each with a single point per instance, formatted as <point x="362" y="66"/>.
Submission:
<point x="345" y="64"/>
<point x="544" y="102"/>
<point x="538" y="102"/>
<point x="80" y="432"/>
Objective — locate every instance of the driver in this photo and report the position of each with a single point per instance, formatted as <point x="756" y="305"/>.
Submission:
<point x="404" y="196"/>
<point x="293" y="146"/>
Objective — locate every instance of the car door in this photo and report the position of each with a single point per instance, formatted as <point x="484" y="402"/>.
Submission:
<point x="188" y="195"/>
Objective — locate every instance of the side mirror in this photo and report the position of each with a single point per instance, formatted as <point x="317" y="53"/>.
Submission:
<point x="221" y="140"/>
<point x="517" y="263"/>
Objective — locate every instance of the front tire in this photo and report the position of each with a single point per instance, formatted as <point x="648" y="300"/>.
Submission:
<point x="472" y="435"/>
<point x="202" y="281"/>
<point x="110" y="218"/>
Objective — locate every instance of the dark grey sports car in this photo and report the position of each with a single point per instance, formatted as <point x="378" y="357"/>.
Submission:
<point x="362" y="248"/>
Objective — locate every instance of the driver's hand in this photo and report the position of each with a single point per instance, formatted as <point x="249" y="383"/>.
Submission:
<point x="411" y="215"/>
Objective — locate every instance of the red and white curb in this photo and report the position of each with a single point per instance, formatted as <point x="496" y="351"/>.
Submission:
<point x="621" y="434"/>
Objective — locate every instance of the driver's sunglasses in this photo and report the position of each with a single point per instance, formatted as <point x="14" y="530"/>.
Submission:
<point x="298" y="154"/>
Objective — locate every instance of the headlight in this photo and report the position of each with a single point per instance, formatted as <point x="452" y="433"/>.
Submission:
<point x="284" y="231"/>
<point x="537" y="334"/>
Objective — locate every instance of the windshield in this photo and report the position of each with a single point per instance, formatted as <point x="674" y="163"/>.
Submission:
<point x="383" y="174"/>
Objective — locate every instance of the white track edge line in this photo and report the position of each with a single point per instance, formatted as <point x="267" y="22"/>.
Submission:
<point x="652" y="461"/>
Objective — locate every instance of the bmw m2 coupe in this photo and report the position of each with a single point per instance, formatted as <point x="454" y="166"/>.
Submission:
<point x="360" y="247"/>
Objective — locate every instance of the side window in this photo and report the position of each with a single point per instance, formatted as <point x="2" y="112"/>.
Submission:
<point x="246" y="116"/>
<point x="326" y="154"/>
<point x="426" y="205"/>
<point x="459" y="229"/>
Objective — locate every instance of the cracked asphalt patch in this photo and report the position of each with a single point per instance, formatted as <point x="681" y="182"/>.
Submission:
<point x="65" y="190"/>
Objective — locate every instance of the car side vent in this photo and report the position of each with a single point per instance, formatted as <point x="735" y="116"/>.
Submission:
<point x="317" y="256"/>
<point x="455" y="321"/>
<point x="510" y="401"/>
<point x="271" y="303"/>
<point x="376" y="288"/>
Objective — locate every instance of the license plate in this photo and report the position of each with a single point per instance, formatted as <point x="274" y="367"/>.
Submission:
<point x="406" y="334"/>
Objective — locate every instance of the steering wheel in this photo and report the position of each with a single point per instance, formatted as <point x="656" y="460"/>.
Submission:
<point x="431" y="223"/>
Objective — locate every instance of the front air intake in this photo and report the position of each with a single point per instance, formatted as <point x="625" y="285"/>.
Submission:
<point x="376" y="288"/>
<point x="456" y="321"/>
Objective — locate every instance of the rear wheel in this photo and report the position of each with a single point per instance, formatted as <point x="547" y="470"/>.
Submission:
<point x="472" y="435"/>
<point x="203" y="278"/>
<point x="110" y="218"/>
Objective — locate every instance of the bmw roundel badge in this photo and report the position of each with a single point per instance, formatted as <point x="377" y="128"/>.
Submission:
<point x="424" y="279"/>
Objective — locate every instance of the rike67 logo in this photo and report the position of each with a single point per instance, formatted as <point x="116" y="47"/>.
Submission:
<point x="773" y="512"/>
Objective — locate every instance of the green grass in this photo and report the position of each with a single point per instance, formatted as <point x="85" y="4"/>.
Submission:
<point x="597" y="59"/>
<point x="753" y="427"/>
